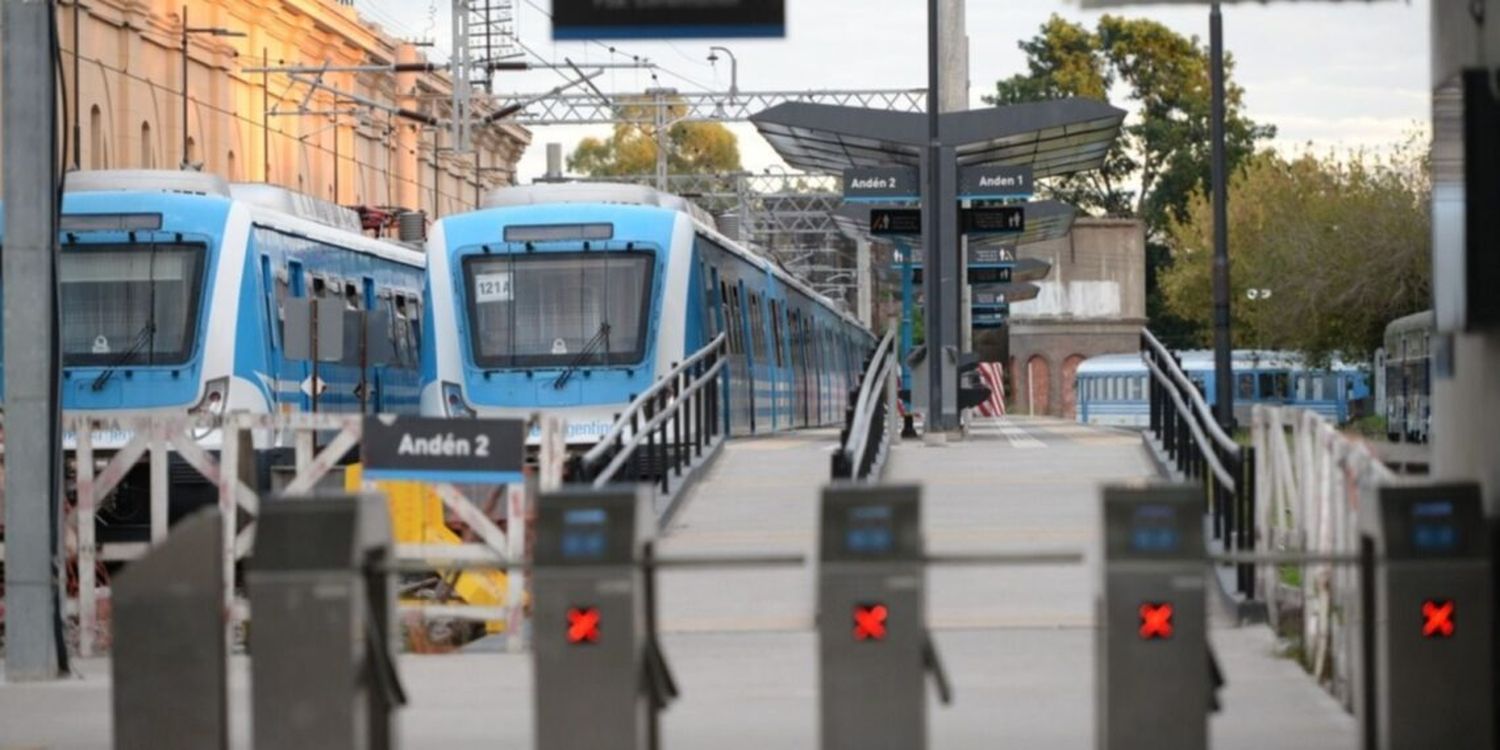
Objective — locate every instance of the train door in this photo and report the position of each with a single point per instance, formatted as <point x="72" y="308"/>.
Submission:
<point x="781" y="413"/>
<point x="742" y="384"/>
<point x="271" y="292"/>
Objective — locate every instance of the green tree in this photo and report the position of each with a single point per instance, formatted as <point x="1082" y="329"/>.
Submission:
<point x="1163" y="155"/>
<point x="1342" y="244"/>
<point x="692" y="147"/>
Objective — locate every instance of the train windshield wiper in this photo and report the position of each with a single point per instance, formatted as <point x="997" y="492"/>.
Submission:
<point x="146" y="334"/>
<point x="600" y="336"/>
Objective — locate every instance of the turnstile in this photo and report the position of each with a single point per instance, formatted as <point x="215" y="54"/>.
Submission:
<point x="1433" y="620"/>
<point x="600" y="675"/>
<point x="874" y="651"/>
<point x="323" y="622"/>
<point x="1154" y="685"/>
<point x="169" y="655"/>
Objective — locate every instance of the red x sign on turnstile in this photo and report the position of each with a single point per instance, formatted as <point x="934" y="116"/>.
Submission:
<point x="583" y="625"/>
<point x="869" y="622"/>
<point x="1437" y="618"/>
<point x="1156" y="620"/>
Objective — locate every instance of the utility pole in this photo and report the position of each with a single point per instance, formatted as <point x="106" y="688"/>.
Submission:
<point x="33" y="486"/>
<point x="186" y="32"/>
<point x="1223" y="377"/>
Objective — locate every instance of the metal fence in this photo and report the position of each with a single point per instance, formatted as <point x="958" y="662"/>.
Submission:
<point x="1202" y="451"/>
<point x="1312" y="483"/>
<point x="666" y="432"/>
<point x="158" y="439"/>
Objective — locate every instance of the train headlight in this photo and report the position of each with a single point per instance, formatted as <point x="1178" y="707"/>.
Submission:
<point x="453" y="401"/>
<point x="215" y="398"/>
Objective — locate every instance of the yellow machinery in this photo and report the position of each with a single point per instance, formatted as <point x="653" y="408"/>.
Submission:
<point x="417" y="518"/>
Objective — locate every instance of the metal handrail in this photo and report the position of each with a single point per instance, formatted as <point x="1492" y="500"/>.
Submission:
<point x="856" y="442"/>
<point x="627" y="448"/>
<point x="639" y="403"/>
<point x="1213" y="460"/>
<point x="1200" y="405"/>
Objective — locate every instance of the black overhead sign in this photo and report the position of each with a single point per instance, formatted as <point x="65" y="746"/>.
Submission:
<point x="886" y="222"/>
<point x="483" y="451"/>
<point x="994" y="183"/>
<point x="995" y="220"/>
<point x="667" y="19"/>
<point x="881" y="184"/>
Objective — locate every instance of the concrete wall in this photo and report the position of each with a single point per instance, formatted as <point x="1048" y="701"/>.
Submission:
<point x="129" y="83"/>
<point x="1093" y="302"/>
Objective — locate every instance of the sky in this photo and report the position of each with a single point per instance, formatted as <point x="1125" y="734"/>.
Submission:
<point x="1329" y="76"/>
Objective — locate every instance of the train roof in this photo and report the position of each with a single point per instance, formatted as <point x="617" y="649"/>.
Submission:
<point x="269" y="205"/>
<point x="622" y="194"/>
<point x="1203" y="359"/>
<point x="1415" y="321"/>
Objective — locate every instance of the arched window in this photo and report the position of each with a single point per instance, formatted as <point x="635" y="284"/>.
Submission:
<point x="231" y="171"/>
<point x="148" y="156"/>
<point x="191" y="151"/>
<point x="97" y="158"/>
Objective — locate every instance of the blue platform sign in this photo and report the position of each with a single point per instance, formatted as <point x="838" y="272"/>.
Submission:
<point x="995" y="183"/>
<point x="988" y="320"/>
<point x="667" y="19"/>
<point x="429" y="449"/>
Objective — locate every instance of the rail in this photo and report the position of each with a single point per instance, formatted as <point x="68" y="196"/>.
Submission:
<point x="1185" y="430"/>
<point x="869" y="426"/>
<point x="677" y="422"/>
<point x="1313" y="482"/>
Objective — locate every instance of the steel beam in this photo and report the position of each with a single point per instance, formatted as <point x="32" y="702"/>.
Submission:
<point x="589" y="109"/>
<point x="33" y="524"/>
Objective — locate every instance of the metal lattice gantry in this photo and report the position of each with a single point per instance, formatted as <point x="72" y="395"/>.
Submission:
<point x="591" y="109"/>
<point x="492" y="36"/>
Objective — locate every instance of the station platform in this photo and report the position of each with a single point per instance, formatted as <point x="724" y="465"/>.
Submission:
<point x="1018" y="642"/>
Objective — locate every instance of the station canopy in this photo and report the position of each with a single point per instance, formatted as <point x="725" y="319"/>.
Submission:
<point x="1055" y="137"/>
<point x="1045" y="220"/>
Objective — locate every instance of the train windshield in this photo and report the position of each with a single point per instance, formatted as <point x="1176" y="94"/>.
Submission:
<point x="559" y="309"/>
<point x="129" y="304"/>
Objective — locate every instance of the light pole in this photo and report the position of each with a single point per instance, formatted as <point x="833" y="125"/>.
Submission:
<point x="734" y="70"/>
<point x="186" y="31"/>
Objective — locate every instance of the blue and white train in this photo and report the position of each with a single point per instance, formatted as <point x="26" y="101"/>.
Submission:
<point x="1112" y="388"/>
<point x="572" y="298"/>
<point x="173" y="291"/>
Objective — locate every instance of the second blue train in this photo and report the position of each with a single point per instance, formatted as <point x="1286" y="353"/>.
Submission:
<point x="573" y="298"/>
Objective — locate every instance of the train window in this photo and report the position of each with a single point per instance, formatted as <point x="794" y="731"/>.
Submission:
<point x="117" y="294"/>
<point x="352" y="296"/>
<point x="1145" y="387"/>
<point x="757" y="331"/>
<point x="1246" y="387"/>
<point x="736" y="333"/>
<point x="1275" y="385"/>
<point x="1133" y="392"/>
<point x="319" y="286"/>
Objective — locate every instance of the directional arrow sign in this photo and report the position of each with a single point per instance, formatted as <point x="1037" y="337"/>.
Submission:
<point x="1012" y="293"/>
<point x="993" y="220"/>
<point x="989" y="320"/>
<point x="886" y="222"/>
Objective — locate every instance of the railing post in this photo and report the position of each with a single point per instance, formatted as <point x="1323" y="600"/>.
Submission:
<point x="663" y="447"/>
<point x="1247" y="522"/>
<point x="677" y="444"/>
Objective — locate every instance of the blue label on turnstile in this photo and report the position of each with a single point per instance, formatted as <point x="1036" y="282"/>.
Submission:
<point x="869" y="530"/>
<point x="1153" y="529"/>
<point x="583" y="536"/>
<point x="1433" y="527"/>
